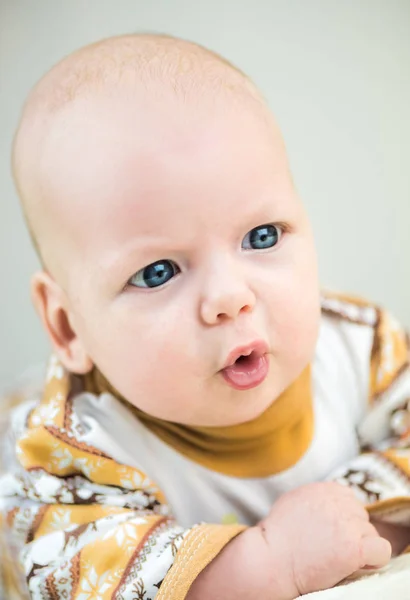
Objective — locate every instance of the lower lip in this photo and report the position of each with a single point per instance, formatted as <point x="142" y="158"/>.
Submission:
<point x="247" y="375"/>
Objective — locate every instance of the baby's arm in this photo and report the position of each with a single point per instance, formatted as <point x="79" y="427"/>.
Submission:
<point x="242" y="570"/>
<point x="69" y="550"/>
<point x="313" y="538"/>
<point x="76" y="535"/>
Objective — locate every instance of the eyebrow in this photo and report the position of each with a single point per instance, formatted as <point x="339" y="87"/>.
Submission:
<point x="147" y="244"/>
<point x="141" y="245"/>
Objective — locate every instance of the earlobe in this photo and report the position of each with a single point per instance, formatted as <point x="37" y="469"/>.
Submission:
<point x="51" y="304"/>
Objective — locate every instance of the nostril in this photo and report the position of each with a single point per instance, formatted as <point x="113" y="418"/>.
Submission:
<point x="246" y="308"/>
<point x="221" y="316"/>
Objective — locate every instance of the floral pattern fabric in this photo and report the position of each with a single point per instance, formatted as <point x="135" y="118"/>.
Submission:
<point x="76" y="524"/>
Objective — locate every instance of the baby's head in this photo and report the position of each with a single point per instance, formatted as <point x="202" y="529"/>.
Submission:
<point x="156" y="185"/>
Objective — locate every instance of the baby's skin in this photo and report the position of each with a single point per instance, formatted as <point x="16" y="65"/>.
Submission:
<point x="156" y="186"/>
<point x="314" y="537"/>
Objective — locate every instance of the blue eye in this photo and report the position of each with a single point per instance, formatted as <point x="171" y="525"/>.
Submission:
<point x="155" y="274"/>
<point x="262" y="237"/>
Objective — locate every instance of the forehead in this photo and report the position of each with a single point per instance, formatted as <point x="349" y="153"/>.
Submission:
<point x="118" y="166"/>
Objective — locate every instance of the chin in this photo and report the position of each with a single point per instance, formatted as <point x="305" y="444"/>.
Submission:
<point x="255" y="410"/>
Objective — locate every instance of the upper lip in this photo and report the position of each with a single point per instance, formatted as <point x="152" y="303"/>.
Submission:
<point x="259" y="347"/>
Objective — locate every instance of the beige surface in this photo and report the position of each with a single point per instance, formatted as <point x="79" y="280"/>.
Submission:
<point x="336" y="73"/>
<point x="390" y="583"/>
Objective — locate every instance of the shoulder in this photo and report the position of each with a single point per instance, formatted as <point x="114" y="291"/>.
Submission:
<point x="348" y="326"/>
<point x="375" y="341"/>
<point x="350" y="309"/>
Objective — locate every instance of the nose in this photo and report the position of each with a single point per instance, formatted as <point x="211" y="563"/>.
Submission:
<point x="226" y="294"/>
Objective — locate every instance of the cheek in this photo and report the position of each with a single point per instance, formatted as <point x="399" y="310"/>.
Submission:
<point x="141" y="340"/>
<point x="295" y="313"/>
<point x="143" y="354"/>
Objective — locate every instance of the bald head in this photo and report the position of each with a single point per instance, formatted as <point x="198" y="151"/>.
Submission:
<point x="155" y="65"/>
<point x="137" y="59"/>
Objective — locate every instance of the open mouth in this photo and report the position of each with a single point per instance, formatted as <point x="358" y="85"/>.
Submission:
<point x="245" y="357"/>
<point x="248" y="370"/>
<point x="244" y="360"/>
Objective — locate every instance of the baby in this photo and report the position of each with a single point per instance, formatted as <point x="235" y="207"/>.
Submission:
<point x="202" y="393"/>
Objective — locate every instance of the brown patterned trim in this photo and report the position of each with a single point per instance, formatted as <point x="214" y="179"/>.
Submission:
<point x="376" y="336"/>
<point x="76" y="387"/>
<point x="375" y="356"/>
<point x="399" y="471"/>
<point x="51" y="587"/>
<point x="356" y="303"/>
<point x="341" y="317"/>
<point x="71" y="441"/>
<point x="344" y="317"/>
<point x="66" y="479"/>
<point x="11" y="515"/>
<point x="136" y="552"/>
<point x="346" y="298"/>
<point x="68" y="411"/>
<point x="407" y="336"/>
<point x="376" y="397"/>
<point x="77" y="499"/>
<point x="34" y="468"/>
<point x="36" y="523"/>
<point x="75" y="573"/>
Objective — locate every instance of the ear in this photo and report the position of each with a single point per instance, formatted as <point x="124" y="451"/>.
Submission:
<point x="51" y="304"/>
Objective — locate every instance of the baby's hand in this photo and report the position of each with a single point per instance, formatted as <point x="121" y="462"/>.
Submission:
<point x="319" y="534"/>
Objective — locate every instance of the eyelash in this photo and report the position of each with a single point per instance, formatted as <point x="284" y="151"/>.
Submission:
<point x="277" y="226"/>
<point x="282" y="227"/>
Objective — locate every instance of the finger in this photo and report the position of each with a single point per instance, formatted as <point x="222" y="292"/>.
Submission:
<point x="376" y="551"/>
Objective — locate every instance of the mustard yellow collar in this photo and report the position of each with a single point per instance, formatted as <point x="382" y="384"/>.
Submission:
<point x="269" y="444"/>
